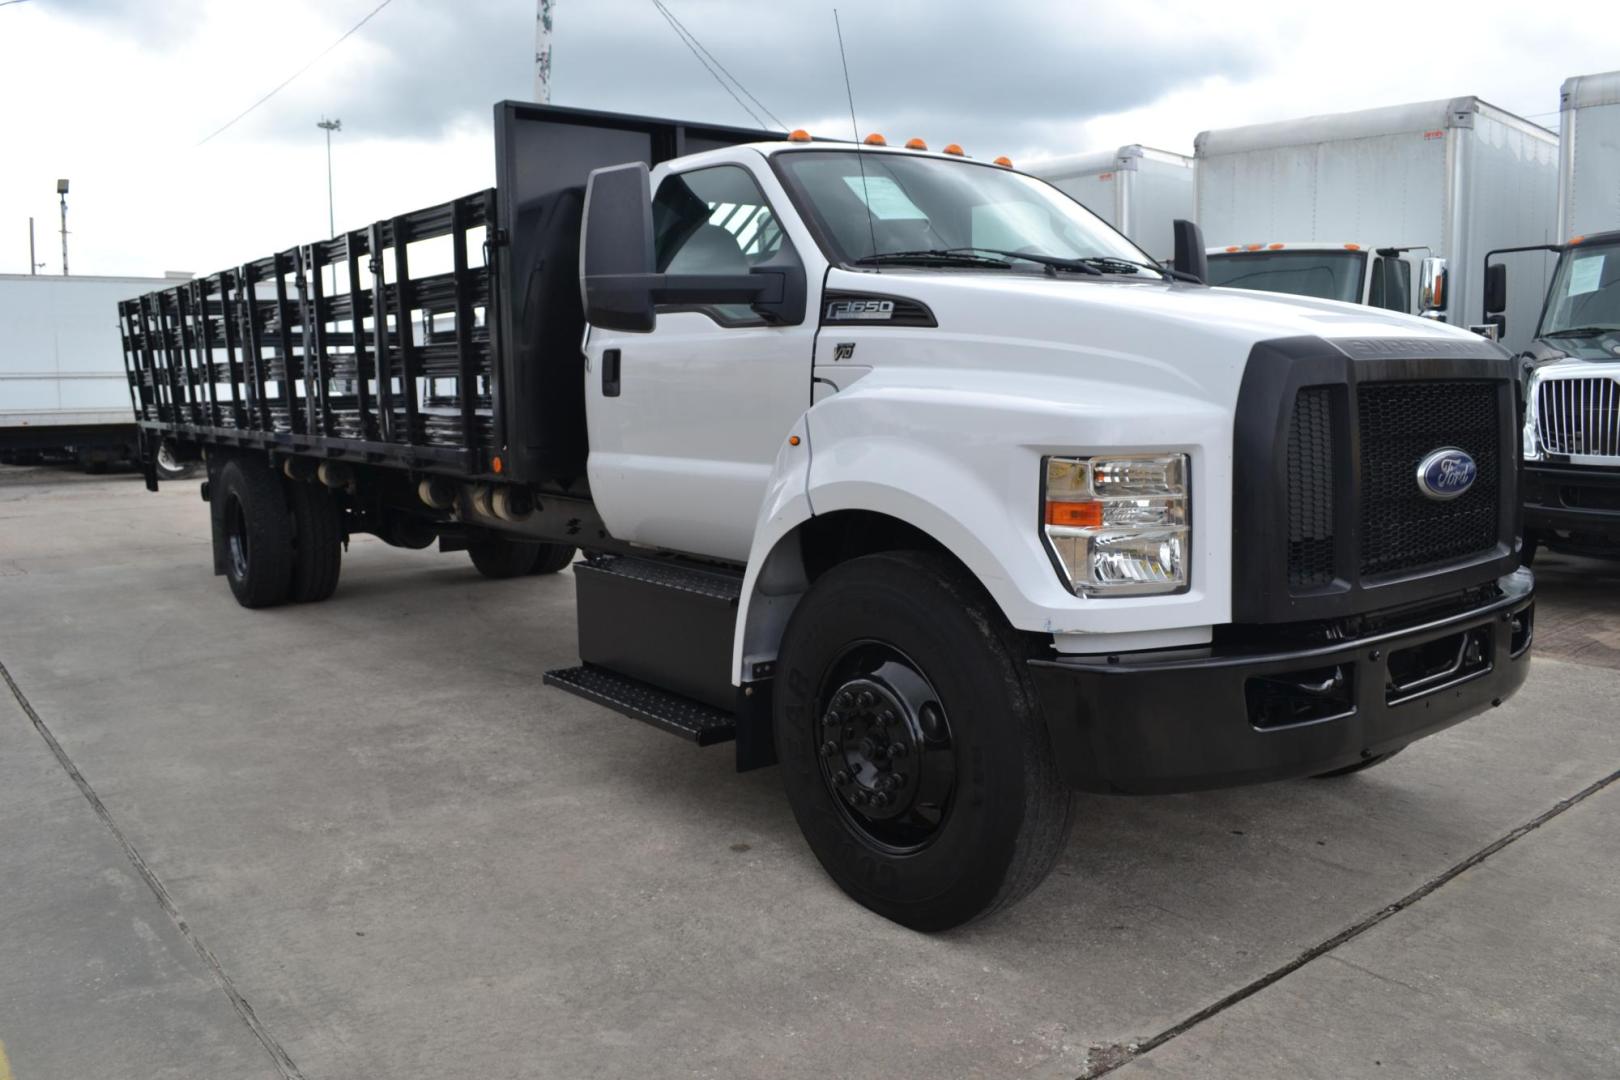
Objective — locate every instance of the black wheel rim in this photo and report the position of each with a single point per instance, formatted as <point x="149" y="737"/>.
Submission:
<point x="236" y="539"/>
<point x="885" y="748"/>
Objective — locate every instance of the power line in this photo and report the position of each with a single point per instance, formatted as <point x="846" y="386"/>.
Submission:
<point x="8" y="3"/>
<point x="681" y="28"/>
<point x="282" y="85"/>
<point x="723" y="84"/>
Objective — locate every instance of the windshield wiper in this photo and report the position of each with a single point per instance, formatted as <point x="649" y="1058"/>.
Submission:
<point x="1132" y="264"/>
<point x="934" y="256"/>
<point x="1583" y="331"/>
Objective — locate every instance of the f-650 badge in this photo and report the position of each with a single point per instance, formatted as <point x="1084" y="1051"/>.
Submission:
<point x="860" y="310"/>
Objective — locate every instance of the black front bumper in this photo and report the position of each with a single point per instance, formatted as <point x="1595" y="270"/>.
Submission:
<point x="1577" y="498"/>
<point x="1243" y="714"/>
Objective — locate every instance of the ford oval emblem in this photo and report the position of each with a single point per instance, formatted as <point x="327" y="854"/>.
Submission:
<point x="1446" y="473"/>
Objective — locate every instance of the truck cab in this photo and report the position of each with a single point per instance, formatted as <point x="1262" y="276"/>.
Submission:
<point x="1354" y="273"/>
<point x="1572" y="396"/>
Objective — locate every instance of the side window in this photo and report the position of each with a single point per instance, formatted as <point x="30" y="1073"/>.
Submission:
<point x="1391" y="285"/>
<point x="714" y="221"/>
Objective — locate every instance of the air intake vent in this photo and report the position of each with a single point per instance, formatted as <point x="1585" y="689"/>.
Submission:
<point x="1310" y="488"/>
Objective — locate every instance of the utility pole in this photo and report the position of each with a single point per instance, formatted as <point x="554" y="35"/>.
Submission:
<point x="329" y="126"/>
<point x="542" y="50"/>
<point x="33" y="264"/>
<point x="61" y="192"/>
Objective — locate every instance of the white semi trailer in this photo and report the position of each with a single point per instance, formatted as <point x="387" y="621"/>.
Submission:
<point x="1138" y="190"/>
<point x="62" y="381"/>
<point x="1572" y="365"/>
<point x="1324" y="205"/>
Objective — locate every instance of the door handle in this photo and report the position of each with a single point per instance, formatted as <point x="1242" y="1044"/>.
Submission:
<point x="610" y="372"/>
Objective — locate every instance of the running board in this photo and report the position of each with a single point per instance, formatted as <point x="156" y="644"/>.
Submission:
<point x="692" y="720"/>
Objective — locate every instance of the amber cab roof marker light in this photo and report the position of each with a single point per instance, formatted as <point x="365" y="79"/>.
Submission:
<point x="916" y="144"/>
<point x="798" y="135"/>
<point x="875" y="139"/>
<point x="955" y="150"/>
<point x="1004" y="161"/>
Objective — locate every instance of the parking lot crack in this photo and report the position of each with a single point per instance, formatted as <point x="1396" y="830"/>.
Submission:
<point x="1104" y="1063"/>
<point x="284" y="1064"/>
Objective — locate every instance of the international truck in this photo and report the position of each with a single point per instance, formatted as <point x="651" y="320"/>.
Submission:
<point x="1138" y="190"/>
<point x="1391" y="207"/>
<point x="1572" y="365"/>
<point x="896" y="468"/>
<point x="63" y="390"/>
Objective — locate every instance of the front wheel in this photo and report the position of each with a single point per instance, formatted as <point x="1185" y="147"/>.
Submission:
<point x="913" y="751"/>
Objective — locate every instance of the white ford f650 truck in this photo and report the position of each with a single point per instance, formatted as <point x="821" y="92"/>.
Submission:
<point x="897" y="468"/>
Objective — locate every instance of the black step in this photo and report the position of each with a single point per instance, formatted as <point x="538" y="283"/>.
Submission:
<point x="703" y="724"/>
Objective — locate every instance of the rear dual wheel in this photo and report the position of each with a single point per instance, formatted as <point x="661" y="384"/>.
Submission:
<point x="283" y="540"/>
<point x="498" y="557"/>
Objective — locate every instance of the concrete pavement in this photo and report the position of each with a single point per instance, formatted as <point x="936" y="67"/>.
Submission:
<point x="410" y="858"/>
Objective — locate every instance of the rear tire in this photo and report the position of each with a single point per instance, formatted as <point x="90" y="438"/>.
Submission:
<point x="497" y="557"/>
<point x="258" y="534"/>
<point x="553" y="558"/>
<point x="1360" y="766"/>
<point x="913" y="751"/>
<point x="317" y="542"/>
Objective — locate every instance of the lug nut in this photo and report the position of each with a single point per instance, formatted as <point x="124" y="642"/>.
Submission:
<point x="886" y="717"/>
<point x="830" y="747"/>
<point x="861" y="797"/>
<point x="897" y="749"/>
<point x="880" y="799"/>
<point x="841" y="778"/>
<point x="866" y="699"/>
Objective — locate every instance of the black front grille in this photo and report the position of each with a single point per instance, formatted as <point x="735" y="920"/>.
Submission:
<point x="1400" y="424"/>
<point x="1310" y="488"/>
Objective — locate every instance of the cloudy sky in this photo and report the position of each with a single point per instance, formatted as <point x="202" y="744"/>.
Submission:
<point x="118" y="94"/>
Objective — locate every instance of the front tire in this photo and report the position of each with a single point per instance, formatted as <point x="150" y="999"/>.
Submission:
<point x="258" y="534"/>
<point x="913" y="751"/>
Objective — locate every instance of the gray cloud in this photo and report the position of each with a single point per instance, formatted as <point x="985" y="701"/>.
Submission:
<point x="996" y="77"/>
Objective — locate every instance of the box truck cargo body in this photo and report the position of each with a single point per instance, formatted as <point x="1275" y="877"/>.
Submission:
<point x="1589" y="152"/>
<point x="1138" y="190"/>
<point x="62" y="379"/>
<point x="1450" y="179"/>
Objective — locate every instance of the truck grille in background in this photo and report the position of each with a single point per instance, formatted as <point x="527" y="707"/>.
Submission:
<point x="1401" y="528"/>
<point x="1310" y="488"/>
<point x="1579" y="416"/>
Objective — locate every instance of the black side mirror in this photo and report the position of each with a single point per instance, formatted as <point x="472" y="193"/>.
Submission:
<point x="616" y="252"/>
<point x="618" y="274"/>
<point x="1495" y="289"/>
<point x="1190" y="258"/>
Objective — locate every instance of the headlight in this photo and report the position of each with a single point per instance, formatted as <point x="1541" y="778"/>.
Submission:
<point x="1117" y="525"/>
<point x="1532" y="442"/>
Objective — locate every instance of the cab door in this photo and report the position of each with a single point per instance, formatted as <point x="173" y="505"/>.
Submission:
<point x="686" y="422"/>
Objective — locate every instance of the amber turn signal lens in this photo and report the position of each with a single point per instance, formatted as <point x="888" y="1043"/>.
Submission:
<point x="1074" y="515"/>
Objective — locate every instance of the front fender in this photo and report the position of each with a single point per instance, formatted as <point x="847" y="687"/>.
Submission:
<point x="962" y="463"/>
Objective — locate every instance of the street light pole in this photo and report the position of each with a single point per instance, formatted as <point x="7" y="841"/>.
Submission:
<point x="62" y="192"/>
<point x="33" y="267"/>
<point x="329" y="126"/>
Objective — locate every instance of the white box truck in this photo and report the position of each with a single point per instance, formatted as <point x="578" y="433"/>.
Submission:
<point x="1572" y="389"/>
<point x="896" y="468"/>
<point x="1138" y="190"/>
<point x="1347" y="206"/>
<point x="63" y="388"/>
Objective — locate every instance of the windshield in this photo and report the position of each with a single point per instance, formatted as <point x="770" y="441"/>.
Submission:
<point x="924" y="206"/>
<point x="1328" y="275"/>
<point x="1585" y="291"/>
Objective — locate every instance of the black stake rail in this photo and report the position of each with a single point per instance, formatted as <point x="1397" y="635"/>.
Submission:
<point x="383" y="367"/>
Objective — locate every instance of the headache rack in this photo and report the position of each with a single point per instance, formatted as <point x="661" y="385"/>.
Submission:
<point x="335" y="348"/>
